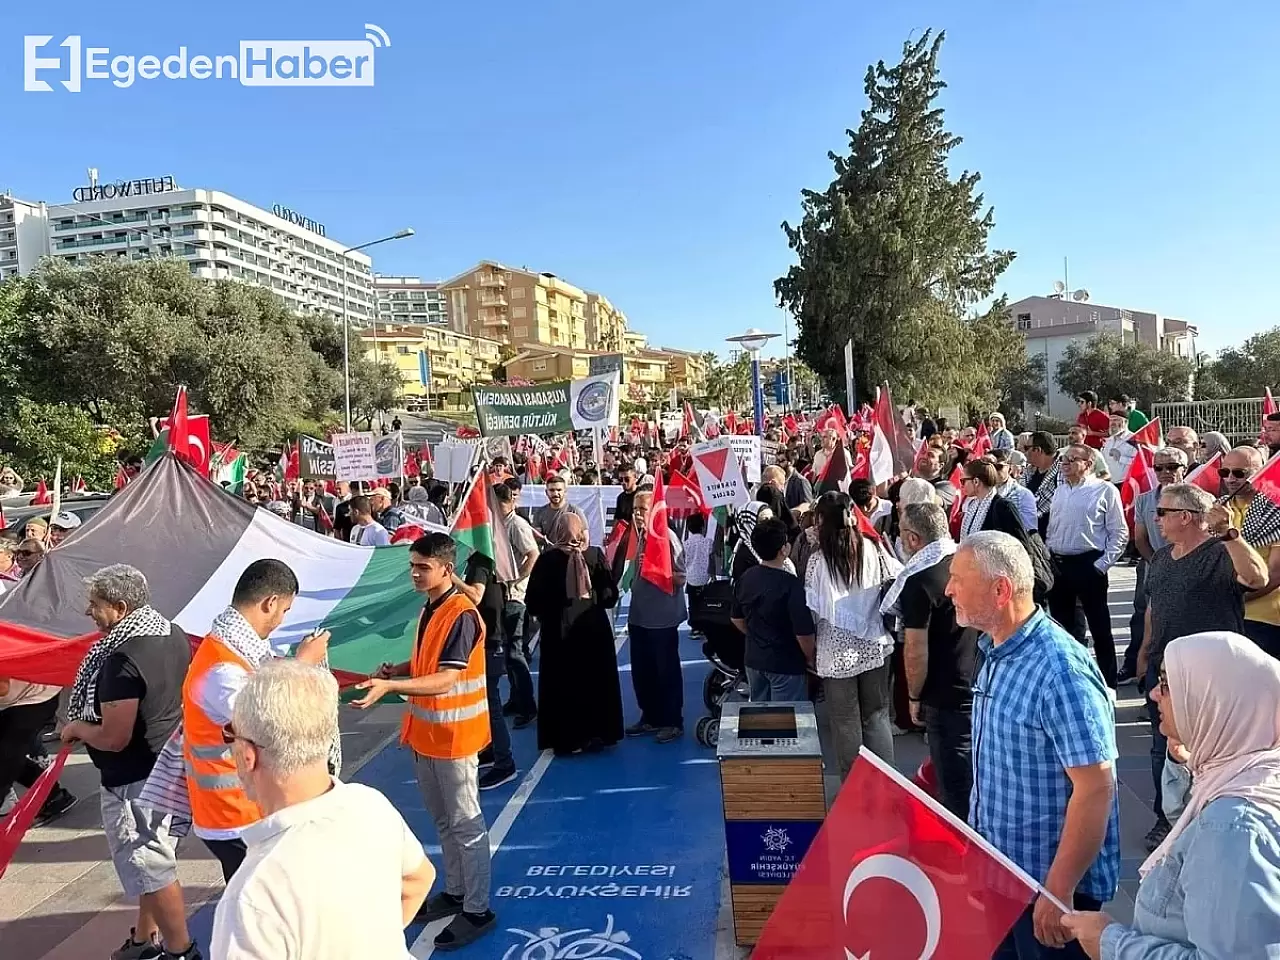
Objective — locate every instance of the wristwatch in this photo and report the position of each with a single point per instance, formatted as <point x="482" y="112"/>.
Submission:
<point x="1231" y="533"/>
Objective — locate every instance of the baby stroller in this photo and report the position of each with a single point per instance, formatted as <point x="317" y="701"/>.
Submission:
<point x="724" y="647"/>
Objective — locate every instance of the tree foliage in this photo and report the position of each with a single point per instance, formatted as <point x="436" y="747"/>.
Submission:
<point x="1021" y="385"/>
<point x="729" y="384"/>
<point x="893" y="255"/>
<point x="107" y="345"/>
<point x="1243" y="371"/>
<point x="1110" y="365"/>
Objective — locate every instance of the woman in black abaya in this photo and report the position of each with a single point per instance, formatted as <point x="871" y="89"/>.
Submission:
<point x="570" y="592"/>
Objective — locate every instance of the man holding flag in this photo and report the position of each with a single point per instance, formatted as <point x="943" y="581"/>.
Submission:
<point x="657" y="610"/>
<point x="1258" y="519"/>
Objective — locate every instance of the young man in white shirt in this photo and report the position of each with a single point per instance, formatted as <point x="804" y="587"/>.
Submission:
<point x="366" y="531"/>
<point x="332" y="870"/>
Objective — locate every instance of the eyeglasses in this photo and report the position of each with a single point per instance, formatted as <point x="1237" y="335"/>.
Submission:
<point x="1165" y="511"/>
<point x="1239" y="474"/>
<point x="229" y="735"/>
<point x="1167" y="467"/>
<point x="1164" y="682"/>
<point x="1078" y="459"/>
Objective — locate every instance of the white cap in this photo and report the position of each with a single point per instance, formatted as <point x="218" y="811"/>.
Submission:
<point x="65" y="521"/>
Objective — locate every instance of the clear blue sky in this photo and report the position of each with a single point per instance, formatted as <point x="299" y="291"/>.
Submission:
<point x="650" y="150"/>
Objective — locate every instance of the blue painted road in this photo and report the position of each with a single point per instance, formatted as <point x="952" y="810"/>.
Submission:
<point x="609" y="855"/>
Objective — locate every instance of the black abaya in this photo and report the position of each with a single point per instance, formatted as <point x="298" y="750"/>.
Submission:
<point x="579" y="698"/>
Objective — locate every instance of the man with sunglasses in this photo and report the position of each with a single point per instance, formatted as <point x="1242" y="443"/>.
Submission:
<point x="1170" y="465"/>
<point x="1197" y="582"/>
<point x="1258" y="521"/>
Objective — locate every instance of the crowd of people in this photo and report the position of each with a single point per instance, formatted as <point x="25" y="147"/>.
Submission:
<point x="966" y="598"/>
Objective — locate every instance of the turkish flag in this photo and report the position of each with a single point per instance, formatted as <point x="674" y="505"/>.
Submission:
<point x="655" y="564"/>
<point x="1206" y="476"/>
<point x="981" y="442"/>
<point x="892" y="875"/>
<point x="189" y="437"/>
<point x="1148" y="436"/>
<point x="18" y="820"/>
<point x="1268" y="408"/>
<point x="1140" y="479"/>
<point x="684" y="496"/>
<point x="43" y="497"/>
<point x="865" y="527"/>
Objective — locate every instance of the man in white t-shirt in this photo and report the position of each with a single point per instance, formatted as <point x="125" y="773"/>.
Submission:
<point x="366" y="531"/>
<point x="332" y="870"/>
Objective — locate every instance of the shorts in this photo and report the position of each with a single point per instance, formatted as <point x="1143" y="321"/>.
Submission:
<point x="143" y="851"/>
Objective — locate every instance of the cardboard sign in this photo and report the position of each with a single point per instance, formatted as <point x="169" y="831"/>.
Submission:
<point x="354" y="456"/>
<point x="454" y="458"/>
<point x="720" y="473"/>
<point x="747" y="450"/>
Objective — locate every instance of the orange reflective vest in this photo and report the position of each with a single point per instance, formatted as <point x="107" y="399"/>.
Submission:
<point x="218" y="801"/>
<point x="448" y="726"/>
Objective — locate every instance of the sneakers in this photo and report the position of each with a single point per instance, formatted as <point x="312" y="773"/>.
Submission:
<point x="132" y="950"/>
<point x="59" y="802"/>
<point x="191" y="953"/>
<point x="668" y="734"/>
<point x="1125" y="678"/>
<point x="1155" y="836"/>
<point x="508" y="709"/>
<point x="486" y="757"/>
<point x="437" y="907"/>
<point x="497" y="776"/>
<point x="641" y="729"/>
<point x="465" y="928"/>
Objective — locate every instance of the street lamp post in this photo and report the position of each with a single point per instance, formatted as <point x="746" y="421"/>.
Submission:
<point x="346" y="326"/>
<point x="752" y="341"/>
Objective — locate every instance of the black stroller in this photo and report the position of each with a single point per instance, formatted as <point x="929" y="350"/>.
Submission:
<point x="725" y="649"/>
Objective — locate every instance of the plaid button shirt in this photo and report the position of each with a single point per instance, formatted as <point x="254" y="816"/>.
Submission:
<point x="1039" y="707"/>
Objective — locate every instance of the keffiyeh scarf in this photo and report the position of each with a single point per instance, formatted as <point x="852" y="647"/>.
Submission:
<point x="143" y="622"/>
<point x="1261" y="524"/>
<point x="930" y="555"/>
<point x="975" y="512"/>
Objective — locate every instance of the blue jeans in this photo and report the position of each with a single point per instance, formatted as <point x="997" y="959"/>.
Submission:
<point x="1159" y="743"/>
<point x="498" y="731"/>
<point x="1137" y="622"/>
<point x="514" y="621"/>
<point x="769" y="687"/>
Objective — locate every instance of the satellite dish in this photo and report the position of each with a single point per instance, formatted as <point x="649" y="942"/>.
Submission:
<point x="1059" y="286"/>
<point x="1080" y="296"/>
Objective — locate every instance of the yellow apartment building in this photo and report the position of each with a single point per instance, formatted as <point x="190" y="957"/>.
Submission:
<point x="687" y="371"/>
<point x="455" y="361"/>
<point x="633" y="342"/>
<point x="517" y="306"/>
<point x="606" y="324"/>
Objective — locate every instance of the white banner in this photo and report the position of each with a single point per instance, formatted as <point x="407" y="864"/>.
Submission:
<point x="720" y="474"/>
<point x="354" y="457"/>
<point x="747" y="450"/>
<point x="452" y="459"/>
<point x="597" y="503"/>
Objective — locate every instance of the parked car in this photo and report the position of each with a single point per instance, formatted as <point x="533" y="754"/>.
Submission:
<point x="83" y="505"/>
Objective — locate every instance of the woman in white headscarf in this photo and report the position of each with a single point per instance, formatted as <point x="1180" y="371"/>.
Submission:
<point x="1211" y="890"/>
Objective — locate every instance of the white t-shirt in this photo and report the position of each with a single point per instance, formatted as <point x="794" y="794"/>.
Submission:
<point x="371" y="534"/>
<point x="321" y="881"/>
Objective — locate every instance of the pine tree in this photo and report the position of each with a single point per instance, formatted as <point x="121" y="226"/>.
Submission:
<point x="893" y="254"/>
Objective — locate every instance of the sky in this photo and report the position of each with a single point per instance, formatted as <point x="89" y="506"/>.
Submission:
<point x="651" y="151"/>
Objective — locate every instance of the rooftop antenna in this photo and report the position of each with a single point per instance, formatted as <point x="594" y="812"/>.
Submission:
<point x="1059" y="288"/>
<point x="1080" y="296"/>
<point x="93" y="176"/>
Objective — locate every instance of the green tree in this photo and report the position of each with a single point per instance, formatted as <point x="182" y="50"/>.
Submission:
<point x="893" y="254"/>
<point x="38" y="434"/>
<point x="1243" y="371"/>
<point x="1021" y="385"/>
<point x="1109" y="365"/>
<point x="375" y="388"/>
<point x="729" y="384"/>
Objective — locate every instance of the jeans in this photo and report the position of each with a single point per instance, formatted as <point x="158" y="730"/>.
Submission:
<point x="230" y="854"/>
<point x="768" y="687"/>
<point x="20" y="740"/>
<point x="1137" y="621"/>
<point x="656" y="676"/>
<point x="1021" y="943"/>
<point x="950" y="733"/>
<point x="1076" y="579"/>
<point x="498" y="732"/>
<point x="858" y="713"/>
<point x="514" y="624"/>
<point x="451" y="793"/>
<point x="1159" y="742"/>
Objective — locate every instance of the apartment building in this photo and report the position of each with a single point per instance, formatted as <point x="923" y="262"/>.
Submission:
<point x="606" y="324"/>
<point x="646" y="377"/>
<point x="410" y="300"/>
<point x="1051" y="324"/>
<point x="221" y="237"/>
<point x="633" y="342"/>
<point x="517" y="306"/>
<point x="453" y="362"/>
<point x="24" y="235"/>
<point x="686" y="371"/>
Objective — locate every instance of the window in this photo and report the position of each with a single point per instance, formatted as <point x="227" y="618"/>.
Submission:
<point x="520" y="332"/>
<point x="517" y="313"/>
<point x="517" y="293"/>
<point x="1024" y="321"/>
<point x="539" y="365"/>
<point x="402" y="349"/>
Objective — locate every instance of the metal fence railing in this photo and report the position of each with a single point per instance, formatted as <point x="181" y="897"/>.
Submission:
<point x="1239" y="419"/>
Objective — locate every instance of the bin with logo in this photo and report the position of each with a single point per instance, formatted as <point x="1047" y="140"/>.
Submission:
<point x="774" y="803"/>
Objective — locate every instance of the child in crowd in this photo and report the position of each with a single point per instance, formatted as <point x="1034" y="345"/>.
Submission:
<point x="698" y="558"/>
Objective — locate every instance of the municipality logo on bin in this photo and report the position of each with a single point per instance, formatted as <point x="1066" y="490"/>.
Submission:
<point x="258" y="63"/>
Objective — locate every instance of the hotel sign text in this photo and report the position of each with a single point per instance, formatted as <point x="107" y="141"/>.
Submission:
<point x="124" y="188"/>
<point x="306" y="223"/>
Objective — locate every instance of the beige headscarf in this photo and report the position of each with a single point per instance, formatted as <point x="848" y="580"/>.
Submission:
<point x="569" y="534"/>
<point x="1226" y="704"/>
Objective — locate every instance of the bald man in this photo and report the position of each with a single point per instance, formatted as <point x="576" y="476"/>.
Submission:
<point x="1261" y="607"/>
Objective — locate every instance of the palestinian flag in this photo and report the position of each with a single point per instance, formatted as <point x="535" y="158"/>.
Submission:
<point x="232" y="473"/>
<point x="480" y="527"/>
<point x="362" y="595"/>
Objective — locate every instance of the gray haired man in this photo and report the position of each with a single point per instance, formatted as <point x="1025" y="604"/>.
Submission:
<point x="124" y="705"/>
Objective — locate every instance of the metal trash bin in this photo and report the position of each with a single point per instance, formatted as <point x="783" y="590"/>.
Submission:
<point x="774" y="803"/>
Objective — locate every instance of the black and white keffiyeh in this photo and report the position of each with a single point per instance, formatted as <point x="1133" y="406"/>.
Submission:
<point x="930" y="555"/>
<point x="1261" y="524"/>
<point x="975" y="514"/>
<point x="143" y="622"/>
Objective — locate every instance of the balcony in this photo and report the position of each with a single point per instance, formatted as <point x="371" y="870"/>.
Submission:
<point x="492" y="300"/>
<point x="493" y="280"/>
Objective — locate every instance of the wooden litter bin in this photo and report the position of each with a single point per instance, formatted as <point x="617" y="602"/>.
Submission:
<point x="774" y="803"/>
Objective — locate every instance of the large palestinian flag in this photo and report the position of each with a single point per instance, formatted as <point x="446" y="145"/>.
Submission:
<point x="192" y="540"/>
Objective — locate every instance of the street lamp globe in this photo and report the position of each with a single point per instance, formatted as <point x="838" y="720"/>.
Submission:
<point x="752" y="341"/>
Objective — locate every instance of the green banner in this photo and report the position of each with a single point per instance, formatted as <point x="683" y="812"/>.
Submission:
<point x="557" y="407"/>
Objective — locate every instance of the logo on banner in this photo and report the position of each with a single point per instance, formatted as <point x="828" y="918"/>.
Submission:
<point x="775" y="839"/>
<point x="594" y="401"/>
<point x="714" y="461"/>
<point x="551" y="942"/>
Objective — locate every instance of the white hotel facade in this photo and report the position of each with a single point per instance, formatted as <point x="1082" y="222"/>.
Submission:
<point x="219" y="236"/>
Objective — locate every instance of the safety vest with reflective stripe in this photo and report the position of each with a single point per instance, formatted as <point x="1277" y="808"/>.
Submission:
<point x="218" y="801"/>
<point x="455" y="724"/>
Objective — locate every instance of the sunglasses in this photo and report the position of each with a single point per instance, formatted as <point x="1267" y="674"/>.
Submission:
<point x="1167" y="467"/>
<point x="1079" y="459"/>
<point x="1239" y="474"/>
<point x="229" y="736"/>
<point x="1165" y="511"/>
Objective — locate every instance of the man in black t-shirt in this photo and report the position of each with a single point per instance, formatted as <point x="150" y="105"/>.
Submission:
<point x="479" y="582"/>
<point x="124" y="708"/>
<point x="769" y="607"/>
<point x="938" y="653"/>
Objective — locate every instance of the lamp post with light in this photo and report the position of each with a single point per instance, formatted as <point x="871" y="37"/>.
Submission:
<point x="752" y="341"/>
<point x="346" y="326"/>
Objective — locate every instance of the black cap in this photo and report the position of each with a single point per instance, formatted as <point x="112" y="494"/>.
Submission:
<point x="1088" y="395"/>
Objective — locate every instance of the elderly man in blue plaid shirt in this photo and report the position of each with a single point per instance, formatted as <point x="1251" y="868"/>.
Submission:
<point x="1044" y="746"/>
